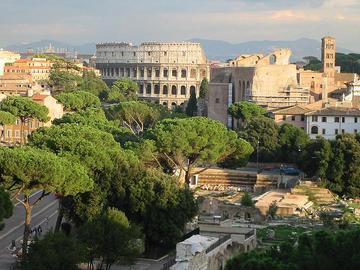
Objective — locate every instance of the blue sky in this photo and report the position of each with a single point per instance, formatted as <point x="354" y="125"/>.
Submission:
<point x="82" y="21"/>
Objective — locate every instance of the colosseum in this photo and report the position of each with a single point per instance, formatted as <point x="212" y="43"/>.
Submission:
<point x="166" y="72"/>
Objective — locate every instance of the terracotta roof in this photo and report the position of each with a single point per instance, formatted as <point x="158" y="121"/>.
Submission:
<point x="22" y="61"/>
<point x="344" y="77"/>
<point x="294" y="110"/>
<point x="39" y="97"/>
<point x="336" y="111"/>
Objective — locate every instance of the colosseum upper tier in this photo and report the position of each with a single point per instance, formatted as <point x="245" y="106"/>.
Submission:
<point x="165" y="72"/>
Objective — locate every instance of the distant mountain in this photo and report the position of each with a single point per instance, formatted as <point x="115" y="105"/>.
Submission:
<point x="215" y="49"/>
<point x="88" y="48"/>
<point x="222" y="50"/>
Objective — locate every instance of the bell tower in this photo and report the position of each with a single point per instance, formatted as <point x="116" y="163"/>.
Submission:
<point x="328" y="51"/>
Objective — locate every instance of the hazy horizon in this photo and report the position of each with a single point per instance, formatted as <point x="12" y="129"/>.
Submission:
<point x="235" y="21"/>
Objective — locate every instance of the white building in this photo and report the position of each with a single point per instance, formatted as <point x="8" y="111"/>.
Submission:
<point x="353" y="90"/>
<point x="7" y="57"/>
<point x="332" y="121"/>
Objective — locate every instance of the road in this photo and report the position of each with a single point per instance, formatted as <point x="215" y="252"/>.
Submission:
<point x="44" y="214"/>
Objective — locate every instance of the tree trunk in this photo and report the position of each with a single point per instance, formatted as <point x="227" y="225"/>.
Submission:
<point x="27" y="229"/>
<point x="60" y="216"/>
<point x="187" y="177"/>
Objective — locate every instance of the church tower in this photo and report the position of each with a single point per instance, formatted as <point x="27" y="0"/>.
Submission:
<point x="328" y="51"/>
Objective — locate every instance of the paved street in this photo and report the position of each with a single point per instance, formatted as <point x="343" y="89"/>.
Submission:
<point x="45" y="213"/>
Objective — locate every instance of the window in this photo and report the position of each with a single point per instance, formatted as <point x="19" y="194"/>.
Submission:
<point x="166" y="73"/>
<point x="336" y="131"/>
<point x="293" y="118"/>
<point x="355" y="130"/>
<point x="142" y="73"/>
<point x="323" y="119"/>
<point x="217" y="100"/>
<point x="284" y="117"/>
<point x="355" y="119"/>
<point x="174" y="90"/>
<point x="323" y="131"/>
<point x="193" y="73"/>
<point x="314" y="130"/>
<point x="302" y="117"/>
<point x="174" y="73"/>
<point x="135" y="72"/>
<point x="343" y="119"/>
<point x="183" y="73"/>
<point x="165" y="53"/>
<point x="141" y="89"/>
<point x="157" y="73"/>
<point x="314" y="118"/>
<point x="343" y="131"/>
<point x="337" y="119"/>
<point x="128" y="72"/>
<point x="149" y="53"/>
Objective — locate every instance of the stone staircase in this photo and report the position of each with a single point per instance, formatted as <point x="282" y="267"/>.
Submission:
<point x="226" y="177"/>
<point x="266" y="182"/>
<point x="237" y="178"/>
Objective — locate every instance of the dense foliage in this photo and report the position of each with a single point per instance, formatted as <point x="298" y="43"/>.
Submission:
<point x="122" y="90"/>
<point x="111" y="239"/>
<point x="54" y="252"/>
<point x="24" y="170"/>
<point x="322" y="250"/>
<point x="186" y="143"/>
<point x="245" y="110"/>
<point x="335" y="162"/>
<point x="191" y="108"/>
<point x="78" y="101"/>
<point x="6" y="206"/>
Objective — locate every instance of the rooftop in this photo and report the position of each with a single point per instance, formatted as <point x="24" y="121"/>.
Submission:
<point x="39" y="97"/>
<point x="336" y="111"/>
<point x="294" y="110"/>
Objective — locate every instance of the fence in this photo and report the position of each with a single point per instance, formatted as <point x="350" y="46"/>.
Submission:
<point x="218" y="243"/>
<point x="171" y="261"/>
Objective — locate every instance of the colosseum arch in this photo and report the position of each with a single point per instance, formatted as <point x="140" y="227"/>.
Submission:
<point x="141" y="88"/>
<point x="156" y="89"/>
<point x="192" y="90"/>
<point x="183" y="90"/>
<point x="148" y="88"/>
<point x="165" y="90"/>
<point x="272" y="59"/>
<point x="174" y="90"/>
